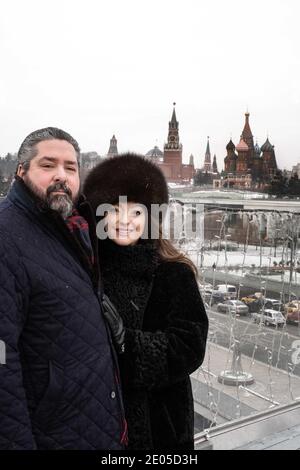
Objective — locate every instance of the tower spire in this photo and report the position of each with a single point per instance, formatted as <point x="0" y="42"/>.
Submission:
<point x="113" y="148"/>
<point x="207" y="159"/>
<point x="215" y="166"/>
<point x="174" y="120"/>
<point x="173" y="150"/>
<point x="247" y="130"/>
<point x="173" y="136"/>
<point x="247" y="136"/>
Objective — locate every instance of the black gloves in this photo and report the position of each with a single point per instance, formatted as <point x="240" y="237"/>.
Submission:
<point x="115" y="323"/>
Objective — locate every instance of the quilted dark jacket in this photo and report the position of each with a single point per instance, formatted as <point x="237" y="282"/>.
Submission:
<point x="59" y="386"/>
<point x="165" y="339"/>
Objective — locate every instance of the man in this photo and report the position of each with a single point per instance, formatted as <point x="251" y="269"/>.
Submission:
<point x="59" y="385"/>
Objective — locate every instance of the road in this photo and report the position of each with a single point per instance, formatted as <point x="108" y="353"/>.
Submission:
<point x="249" y="284"/>
<point x="274" y="346"/>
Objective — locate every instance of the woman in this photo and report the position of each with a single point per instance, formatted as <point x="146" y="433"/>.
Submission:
<point x="159" y="322"/>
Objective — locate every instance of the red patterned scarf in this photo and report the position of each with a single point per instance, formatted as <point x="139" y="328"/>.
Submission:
<point x="79" y="228"/>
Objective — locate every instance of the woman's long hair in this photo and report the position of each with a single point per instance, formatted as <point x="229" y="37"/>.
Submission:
<point x="168" y="252"/>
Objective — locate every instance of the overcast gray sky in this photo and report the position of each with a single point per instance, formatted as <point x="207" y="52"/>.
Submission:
<point x="103" y="67"/>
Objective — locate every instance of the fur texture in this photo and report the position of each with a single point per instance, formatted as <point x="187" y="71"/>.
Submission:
<point x="166" y="329"/>
<point x="128" y="175"/>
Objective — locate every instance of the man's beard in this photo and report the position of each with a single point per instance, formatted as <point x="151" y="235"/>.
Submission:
<point x="61" y="203"/>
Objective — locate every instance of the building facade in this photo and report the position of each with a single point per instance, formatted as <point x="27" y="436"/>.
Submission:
<point x="247" y="164"/>
<point x="170" y="161"/>
<point x="296" y="169"/>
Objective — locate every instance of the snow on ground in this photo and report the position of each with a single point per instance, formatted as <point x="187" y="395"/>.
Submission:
<point x="286" y="277"/>
<point x="177" y="186"/>
<point x="235" y="259"/>
<point x="238" y="262"/>
<point x="229" y="194"/>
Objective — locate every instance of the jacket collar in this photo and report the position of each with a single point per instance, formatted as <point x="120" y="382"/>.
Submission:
<point x="21" y="196"/>
<point x="140" y="260"/>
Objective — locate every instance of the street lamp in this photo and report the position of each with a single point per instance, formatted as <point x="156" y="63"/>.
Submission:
<point x="239" y="291"/>
<point x="263" y="288"/>
<point x="226" y="237"/>
<point x="275" y="240"/>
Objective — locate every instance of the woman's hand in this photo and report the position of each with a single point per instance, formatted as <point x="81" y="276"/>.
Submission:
<point x="115" y="323"/>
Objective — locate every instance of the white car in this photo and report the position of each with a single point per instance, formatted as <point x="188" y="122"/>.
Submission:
<point x="233" y="306"/>
<point x="205" y="286"/>
<point x="269" y="317"/>
<point x="272" y="304"/>
<point x="227" y="289"/>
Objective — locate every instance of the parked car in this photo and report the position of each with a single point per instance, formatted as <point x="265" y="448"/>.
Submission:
<point x="233" y="306"/>
<point x="205" y="286"/>
<point x="269" y="317"/>
<point x="213" y="296"/>
<point x="227" y="289"/>
<point x="253" y="301"/>
<point x="292" y="311"/>
<point x="272" y="304"/>
<point x="288" y="297"/>
<point x="257" y="301"/>
<point x="252" y="297"/>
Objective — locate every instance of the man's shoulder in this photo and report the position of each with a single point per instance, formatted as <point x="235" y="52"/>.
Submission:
<point x="9" y="213"/>
<point x="4" y="204"/>
<point x="6" y="213"/>
<point x="7" y="230"/>
<point x="12" y="220"/>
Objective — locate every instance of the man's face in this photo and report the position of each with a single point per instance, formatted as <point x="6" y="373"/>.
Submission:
<point x="53" y="175"/>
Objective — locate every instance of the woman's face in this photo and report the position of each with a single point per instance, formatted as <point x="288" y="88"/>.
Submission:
<point x="126" y="223"/>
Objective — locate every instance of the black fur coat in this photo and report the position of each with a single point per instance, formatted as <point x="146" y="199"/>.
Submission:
<point x="166" y="329"/>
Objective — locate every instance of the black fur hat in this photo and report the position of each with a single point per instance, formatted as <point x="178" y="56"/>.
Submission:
<point x="127" y="174"/>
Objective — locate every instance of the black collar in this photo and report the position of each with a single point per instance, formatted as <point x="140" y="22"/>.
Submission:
<point x="22" y="197"/>
<point x="140" y="260"/>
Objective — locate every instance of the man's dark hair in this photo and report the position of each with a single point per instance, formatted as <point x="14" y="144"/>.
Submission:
<point x="28" y="149"/>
